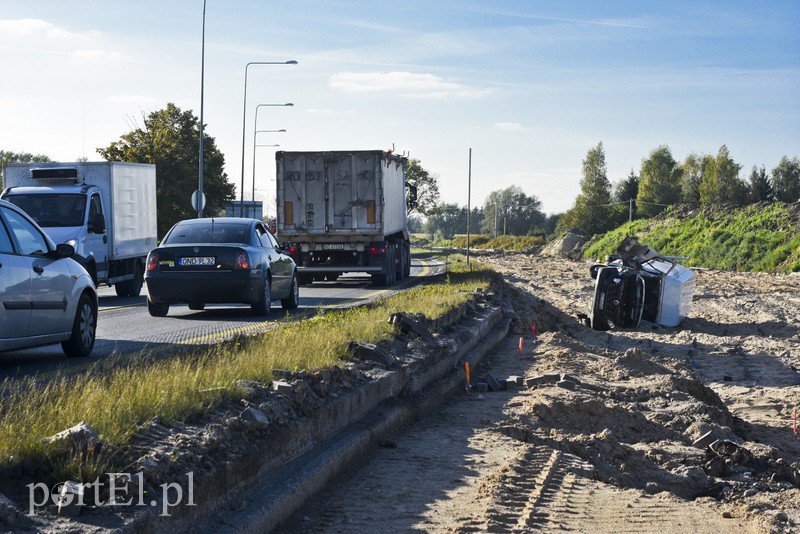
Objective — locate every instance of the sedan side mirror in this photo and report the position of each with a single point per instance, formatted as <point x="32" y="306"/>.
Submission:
<point x="64" y="250"/>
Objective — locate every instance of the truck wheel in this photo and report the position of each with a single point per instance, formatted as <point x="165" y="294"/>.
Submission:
<point x="400" y="267"/>
<point x="135" y="285"/>
<point x="391" y="268"/>
<point x="157" y="310"/>
<point x="407" y="263"/>
<point x="264" y="304"/>
<point x="121" y="288"/>
<point x="293" y="300"/>
<point x="84" y="329"/>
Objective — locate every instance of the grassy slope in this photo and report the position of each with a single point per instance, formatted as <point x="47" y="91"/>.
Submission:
<point x="117" y="403"/>
<point x="760" y="237"/>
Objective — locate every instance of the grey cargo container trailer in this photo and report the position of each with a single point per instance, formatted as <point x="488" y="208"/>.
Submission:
<point x="344" y="211"/>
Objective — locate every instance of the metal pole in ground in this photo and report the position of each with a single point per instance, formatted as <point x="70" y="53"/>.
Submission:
<point x="469" y="198"/>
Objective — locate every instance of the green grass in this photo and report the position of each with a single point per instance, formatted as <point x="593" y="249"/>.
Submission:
<point x="754" y="238"/>
<point x="119" y="401"/>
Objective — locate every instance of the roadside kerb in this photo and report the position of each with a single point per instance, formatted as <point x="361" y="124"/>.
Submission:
<point x="283" y="471"/>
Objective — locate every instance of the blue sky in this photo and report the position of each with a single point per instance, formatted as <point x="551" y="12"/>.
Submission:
<point x="530" y="86"/>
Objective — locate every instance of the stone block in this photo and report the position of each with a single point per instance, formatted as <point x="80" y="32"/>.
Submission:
<point x="254" y="417"/>
<point x="492" y="382"/>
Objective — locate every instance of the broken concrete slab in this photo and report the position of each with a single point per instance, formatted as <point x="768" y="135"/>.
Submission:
<point x="705" y="440"/>
<point x="369" y="352"/>
<point x="282" y="386"/>
<point x="408" y="325"/>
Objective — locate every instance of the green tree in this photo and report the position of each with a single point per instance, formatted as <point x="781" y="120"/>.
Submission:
<point x="592" y="211"/>
<point x="446" y="219"/>
<point x="511" y="211"/>
<point x="720" y="182"/>
<point x="660" y="182"/>
<point x="786" y="180"/>
<point x="624" y="191"/>
<point x="427" y="185"/>
<point x="170" y="138"/>
<point x="760" y="186"/>
<point x="19" y="157"/>
<point x="691" y="175"/>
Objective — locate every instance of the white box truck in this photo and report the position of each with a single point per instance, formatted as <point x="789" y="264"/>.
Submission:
<point x="344" y="211"/>
<point x="106" y="210"/>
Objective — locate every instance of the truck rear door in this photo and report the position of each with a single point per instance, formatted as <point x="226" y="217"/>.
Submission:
<point x="353" y="184"/>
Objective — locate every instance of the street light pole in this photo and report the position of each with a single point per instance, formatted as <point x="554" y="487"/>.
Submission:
<point x="202" y="84"/>
<point x="244" y="115"/>
<point x="255" y="131"/>
<point x="255" y="135"/>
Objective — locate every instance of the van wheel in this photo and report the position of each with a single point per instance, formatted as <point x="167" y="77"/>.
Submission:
<point x="84" y="329"/>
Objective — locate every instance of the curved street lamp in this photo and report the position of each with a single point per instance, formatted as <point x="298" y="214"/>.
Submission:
<point x="255" y="131"/>
<point x="244" y="111"/>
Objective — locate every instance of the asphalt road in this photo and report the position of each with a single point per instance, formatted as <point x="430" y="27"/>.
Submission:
<point x="124" y="326"/>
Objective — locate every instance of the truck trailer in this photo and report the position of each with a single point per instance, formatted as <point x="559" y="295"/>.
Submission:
<point x="344" y="211"/>
<point x="105" y="210"/>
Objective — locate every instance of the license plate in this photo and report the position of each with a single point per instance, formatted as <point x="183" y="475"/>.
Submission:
<point x="333" y="246"/>
<point x="202" y="260"/>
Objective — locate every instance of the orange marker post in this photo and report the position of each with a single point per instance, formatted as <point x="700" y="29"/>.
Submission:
<point x="466" y="366"/>
<point x="533" y="330"/>
<point x="520" y="346"/>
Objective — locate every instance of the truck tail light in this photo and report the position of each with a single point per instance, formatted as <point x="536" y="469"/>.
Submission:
<point x="241" y="261"/>
<point x="292" y="251"/>
<point x="377" y="250"/>
<point x="152" y="262"/>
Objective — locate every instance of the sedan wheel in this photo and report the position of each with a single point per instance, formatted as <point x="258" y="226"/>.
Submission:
<point x="157" y="310"/>
<point x="84" y="328"/>
<point x="263" y="306"/>
<point x="293" y="300"/>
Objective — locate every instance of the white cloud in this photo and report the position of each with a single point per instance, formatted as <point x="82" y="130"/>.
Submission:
<point x="39" y="28"/>
<point x="96" y="55"/>
<point x="509" y="126"/>
<point x="405" y="83"/>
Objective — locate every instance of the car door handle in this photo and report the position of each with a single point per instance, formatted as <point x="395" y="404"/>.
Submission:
<point x="38" y="269"/>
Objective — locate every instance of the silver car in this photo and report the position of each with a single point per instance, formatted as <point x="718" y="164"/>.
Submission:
<point x="46" y="297"/>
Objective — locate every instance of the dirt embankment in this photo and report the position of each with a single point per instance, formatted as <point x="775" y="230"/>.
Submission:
<point x="611" y="447"/>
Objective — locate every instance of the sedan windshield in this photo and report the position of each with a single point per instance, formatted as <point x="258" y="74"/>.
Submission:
<point x="50" y="210"/>
<point x="210" y="233"/>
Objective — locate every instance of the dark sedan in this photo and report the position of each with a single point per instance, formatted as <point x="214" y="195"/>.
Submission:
<point x="220" y="260"/>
